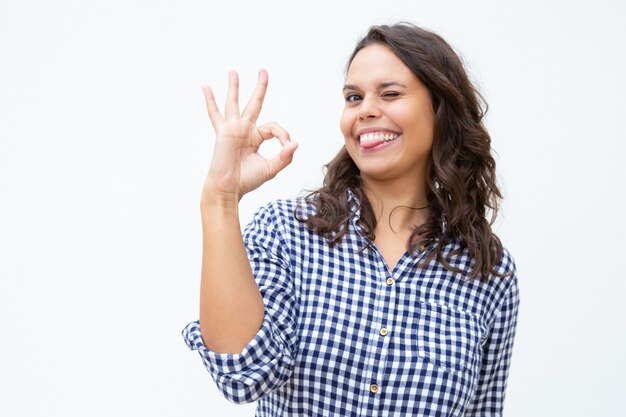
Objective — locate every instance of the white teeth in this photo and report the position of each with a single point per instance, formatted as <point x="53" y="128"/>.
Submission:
<point x="367" y="137"/>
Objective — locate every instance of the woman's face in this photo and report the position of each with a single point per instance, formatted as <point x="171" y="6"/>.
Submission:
<point x="388" y="118"/>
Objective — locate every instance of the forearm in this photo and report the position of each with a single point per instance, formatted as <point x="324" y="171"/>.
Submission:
<point x="231" y="305"/>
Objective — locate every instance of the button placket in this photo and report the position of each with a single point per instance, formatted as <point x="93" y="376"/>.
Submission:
<point x="383" y="331"/>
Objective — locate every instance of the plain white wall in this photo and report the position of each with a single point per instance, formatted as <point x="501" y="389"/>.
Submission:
<point x="105" y="144"/>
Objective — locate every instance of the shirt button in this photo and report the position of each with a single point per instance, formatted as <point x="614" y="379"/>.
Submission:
<point x="389" y="281"/>
<point x="383" y="331"/>
<point x="374" y="388"/>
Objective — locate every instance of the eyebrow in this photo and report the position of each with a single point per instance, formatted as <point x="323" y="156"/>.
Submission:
<point x="380" y="86"/>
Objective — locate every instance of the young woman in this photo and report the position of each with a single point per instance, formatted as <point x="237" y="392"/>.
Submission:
<point x="385" y="292"/>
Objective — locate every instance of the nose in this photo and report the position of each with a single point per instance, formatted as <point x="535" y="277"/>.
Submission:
<point x="368" y="108"/>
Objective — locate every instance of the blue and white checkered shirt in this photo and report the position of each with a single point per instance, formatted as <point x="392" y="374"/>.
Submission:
<point x="345" y="336"/>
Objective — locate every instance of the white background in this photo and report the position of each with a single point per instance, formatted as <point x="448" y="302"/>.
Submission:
<point x="105" y="144"/>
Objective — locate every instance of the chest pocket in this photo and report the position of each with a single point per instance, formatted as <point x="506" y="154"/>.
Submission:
<point x="448" y="337"/>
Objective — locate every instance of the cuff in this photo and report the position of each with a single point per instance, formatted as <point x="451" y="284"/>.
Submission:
<point x="257" y="352"/>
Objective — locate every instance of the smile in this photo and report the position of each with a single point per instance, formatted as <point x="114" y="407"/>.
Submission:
<point x="371" y="139"/>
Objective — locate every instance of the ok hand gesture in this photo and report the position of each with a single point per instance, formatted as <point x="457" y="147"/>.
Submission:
<point x="237" y="167"/>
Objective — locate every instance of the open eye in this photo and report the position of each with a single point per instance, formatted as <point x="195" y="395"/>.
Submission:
<point x="352" y="98"/>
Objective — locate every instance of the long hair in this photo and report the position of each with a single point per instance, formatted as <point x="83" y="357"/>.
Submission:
<point x="461" y="174"/>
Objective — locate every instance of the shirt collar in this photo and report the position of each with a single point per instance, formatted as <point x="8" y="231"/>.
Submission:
<point x="354" y="204"/>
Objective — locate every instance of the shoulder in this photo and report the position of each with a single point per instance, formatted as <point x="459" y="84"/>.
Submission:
<point x="459" y="256"/>
<point x="284" y="209"/>
<point x="282" y="213"/>
<point x="506" y="264"/>
<point x="507" y="268"/>
<point x="503" y="279"/>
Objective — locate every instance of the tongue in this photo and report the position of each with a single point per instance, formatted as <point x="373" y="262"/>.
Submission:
<point x="371" y="143"/>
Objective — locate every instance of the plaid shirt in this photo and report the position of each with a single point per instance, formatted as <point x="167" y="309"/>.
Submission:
<point x="343" y="335"/>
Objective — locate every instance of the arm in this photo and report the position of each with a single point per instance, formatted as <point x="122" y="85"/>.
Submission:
<point x="231" y="307"/>
<point x="233" y="322"/>
<point x="489" y="396"/>
<point x="266" y="362"/>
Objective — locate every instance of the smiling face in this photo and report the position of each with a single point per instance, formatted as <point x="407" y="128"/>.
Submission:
<point x="388" y="118"/>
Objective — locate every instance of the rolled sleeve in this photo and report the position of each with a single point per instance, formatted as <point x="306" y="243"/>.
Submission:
<point x="489" y="396"/>
<point x="267" y="361"/>
<point x="262" y="366"/>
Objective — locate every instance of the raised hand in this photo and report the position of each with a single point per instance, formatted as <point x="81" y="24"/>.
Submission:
<point x="237" y="167"/>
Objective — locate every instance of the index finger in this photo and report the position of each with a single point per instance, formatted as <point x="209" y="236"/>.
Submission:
<point x="253" y="108"/>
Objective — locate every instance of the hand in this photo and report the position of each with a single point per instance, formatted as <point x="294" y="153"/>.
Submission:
<point x="237" y="167"/>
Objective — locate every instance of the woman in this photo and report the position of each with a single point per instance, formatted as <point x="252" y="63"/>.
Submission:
<point x="385" y="292"/>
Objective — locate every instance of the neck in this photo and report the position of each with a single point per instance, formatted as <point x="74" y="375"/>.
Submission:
<point x="395" y="204"/>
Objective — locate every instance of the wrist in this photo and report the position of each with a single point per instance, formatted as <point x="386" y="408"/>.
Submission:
<point x="216" y="199"/>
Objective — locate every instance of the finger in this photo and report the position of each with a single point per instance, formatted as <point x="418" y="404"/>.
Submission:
<point x="274" y="130"/>
<point x="284" y="158"/>
<point x="211" y="106"/>
<point x="232" y="97"/>
<point x="253" y="108"/>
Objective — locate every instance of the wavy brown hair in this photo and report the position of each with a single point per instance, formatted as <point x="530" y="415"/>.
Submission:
<point x="461" y="179"/>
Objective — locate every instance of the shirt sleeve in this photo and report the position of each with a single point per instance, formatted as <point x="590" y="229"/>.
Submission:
<point x="489" y="396"/>
<point x="267" y="361"/>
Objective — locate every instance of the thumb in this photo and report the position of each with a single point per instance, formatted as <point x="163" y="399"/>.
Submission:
<point x="284" y="158"/>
